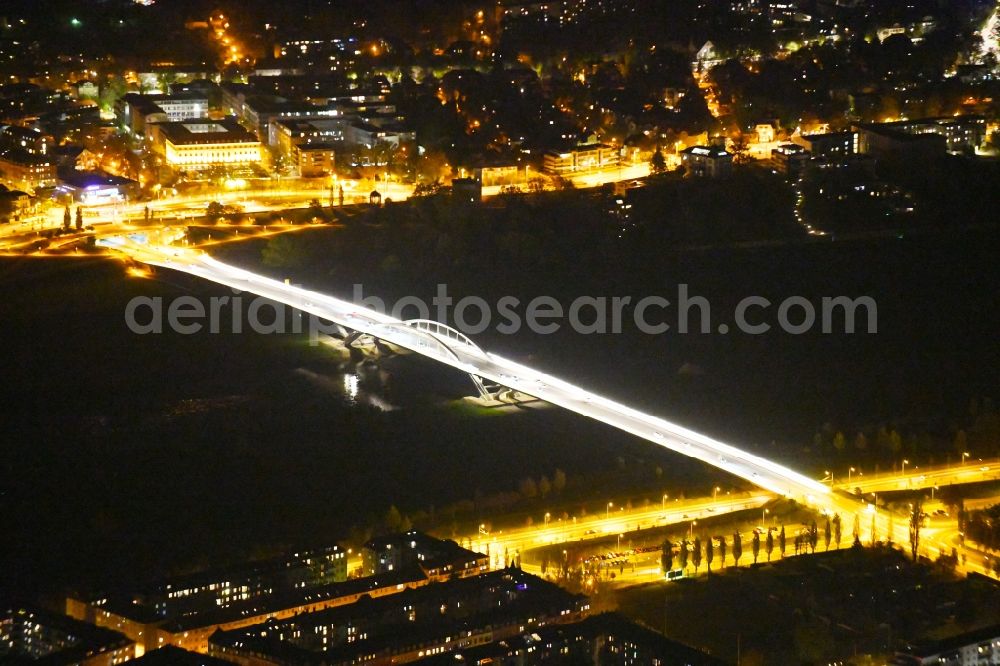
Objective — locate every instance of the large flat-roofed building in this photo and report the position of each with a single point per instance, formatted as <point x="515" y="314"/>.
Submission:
<point x="962" y="134"/>
<point x="884" y="140"/>
<point x="417" y="623"/>
<point x="96" y="187"/>
<point x="707" y="161"/>
<point x="203" y="143"/>
<point x="581" y="158"/>
<point x="185" y="611"/>
<point x="191" y="630"/>
<point x="30" y="634"/>
<point x="136" y="111"/>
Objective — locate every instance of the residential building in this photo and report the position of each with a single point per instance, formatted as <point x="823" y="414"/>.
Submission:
<point x="367" y="134"/>
<point x="175" y="656"/>
<point x="190" y="629"/>
<point x="456" y="614"/>
<point x="979" y="647"/>
<point x="764" y="132"/>
<point x="23" y="171"/>
<point x="830" y="145"/>
<point x="20" y="204"/>
<point x="435" y="557"/>
<point x="500" y="172"/>
<point x="884" y="140"/>
<point x="31" y="634"/>
<point x="707" y="161"/>
<point x="28" y="141"/>
<point x="962" y="134"/>
<point x="790" y="159"/>
<point x="607" y="639"/>
<point x="467" y="190"/>
<point x="314" y="160"/>
<point x="581" y="158"/>
<point x="284" y="134"/>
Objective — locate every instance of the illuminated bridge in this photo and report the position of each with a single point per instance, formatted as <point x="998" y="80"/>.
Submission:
<point x="445" y="345"/>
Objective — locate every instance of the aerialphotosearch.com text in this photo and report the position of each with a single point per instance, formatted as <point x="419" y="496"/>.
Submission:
<point x="684" y="313"/>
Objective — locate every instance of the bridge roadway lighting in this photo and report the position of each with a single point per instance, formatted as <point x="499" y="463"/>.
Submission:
<point x="443" y="348"/>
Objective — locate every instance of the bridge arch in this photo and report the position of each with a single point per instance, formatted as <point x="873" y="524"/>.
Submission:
<point x="437" y="329"/>
<point x="442" y="335"/>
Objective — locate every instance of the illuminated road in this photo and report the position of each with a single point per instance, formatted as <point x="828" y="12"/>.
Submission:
<point x="603" y="525"/>
<point x="915" y="479"/>
<point x="456" y="350"/>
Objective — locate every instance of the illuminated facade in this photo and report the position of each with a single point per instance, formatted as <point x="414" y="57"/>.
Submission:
<point x="582" y="158"/>
<point x="203" y="144"/>
<point x="24" y="171"/>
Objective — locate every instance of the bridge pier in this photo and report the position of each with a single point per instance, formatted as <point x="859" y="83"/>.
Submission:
<point x="484" y="393"/>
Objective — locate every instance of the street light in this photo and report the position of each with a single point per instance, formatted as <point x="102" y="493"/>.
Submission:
<point x="547" y="516"/>
<point x="849" y="472"/>
<point x="965" y="455"/>
<point x="607" y="512"/>
<point x="715" y="492"/>
<point x="691" y="528"/>
<point x="905" y="463"/>
<point x="763" y="516"/>
<point x="663" y="503"/>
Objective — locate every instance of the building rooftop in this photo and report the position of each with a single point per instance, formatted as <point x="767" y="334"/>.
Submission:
<point x="83" y="180"/>
<point x="931" y="648"/>
<point x="413" y="618"/>
<point x="706" y="151"/>
<point x="206" y="131"/>
<point x="294" y="599"/>
<point x="170" y="655"/>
